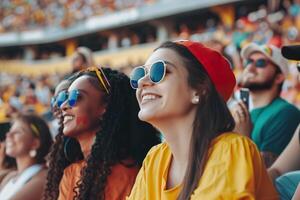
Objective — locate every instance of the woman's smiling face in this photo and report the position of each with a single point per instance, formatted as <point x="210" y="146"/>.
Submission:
<point x="172" y="97"/>
<point x="87" y="111"/>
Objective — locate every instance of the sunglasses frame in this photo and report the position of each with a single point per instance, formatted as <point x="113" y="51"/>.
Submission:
<point x="67" y="97"/>
<point x="252" y="61"/>
<point x="53" y="102"/>
<point x="147" y="72"/>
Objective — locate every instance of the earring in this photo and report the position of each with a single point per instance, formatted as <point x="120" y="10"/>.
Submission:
<point x="32" y="153"/>
<point x="195" y="100"/>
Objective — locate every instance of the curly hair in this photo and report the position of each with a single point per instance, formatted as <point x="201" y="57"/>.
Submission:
<point x="122" y="136"/>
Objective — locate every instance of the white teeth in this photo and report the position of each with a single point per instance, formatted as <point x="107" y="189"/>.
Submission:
<point x="149" y="97"/>
<point x="68" y="118"/>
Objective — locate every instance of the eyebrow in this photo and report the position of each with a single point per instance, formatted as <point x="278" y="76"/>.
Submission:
<point x="80" y="90"/>
<point x="167" y="62"/>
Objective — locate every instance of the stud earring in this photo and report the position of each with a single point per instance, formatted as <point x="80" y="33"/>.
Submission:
<point x="32" y="153"/>
<point x="195" y="100"/>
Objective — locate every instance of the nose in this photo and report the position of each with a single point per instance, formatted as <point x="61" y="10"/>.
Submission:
<point x="145" y="81"/>
<point x="9" y="134"/>
<point x="65" y="106"/>
<point x="251" y="66"/>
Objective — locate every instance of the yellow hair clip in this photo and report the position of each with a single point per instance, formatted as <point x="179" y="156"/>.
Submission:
<point x="104" y="82"/>
<point x="35" y="130"/>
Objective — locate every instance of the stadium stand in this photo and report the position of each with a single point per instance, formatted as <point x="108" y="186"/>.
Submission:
<point x="122" y="33"/>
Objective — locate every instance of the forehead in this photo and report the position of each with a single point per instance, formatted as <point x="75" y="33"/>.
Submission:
<point x="84" y="85"/>
<point x="81" y="83"/>
<point x="61" y="86"/>
<point x="19" y="124"/>
<point x="257" y="55"/>
<point x="166" y="55"/>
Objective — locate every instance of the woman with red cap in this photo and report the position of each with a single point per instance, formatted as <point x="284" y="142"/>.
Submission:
<point x="182" y="91"/>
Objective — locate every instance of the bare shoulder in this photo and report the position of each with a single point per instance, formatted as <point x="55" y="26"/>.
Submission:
<point x="9" y="176"/>
<point x="40" y="176"/>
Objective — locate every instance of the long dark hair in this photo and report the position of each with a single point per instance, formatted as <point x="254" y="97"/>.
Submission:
<point x="212" y="118"/>
<point x="122" y="136"/>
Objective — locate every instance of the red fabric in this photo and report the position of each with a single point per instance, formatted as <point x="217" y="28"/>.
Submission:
<point x="216" y="66"/>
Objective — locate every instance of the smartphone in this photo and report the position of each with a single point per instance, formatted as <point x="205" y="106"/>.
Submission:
<point x="244" y="96"/>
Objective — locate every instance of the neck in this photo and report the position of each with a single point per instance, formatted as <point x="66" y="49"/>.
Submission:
<point x="86" y="141"/>
<point x="262" y="98"/>
<point x="24" y="162"/>
<point x="177" y="133"/>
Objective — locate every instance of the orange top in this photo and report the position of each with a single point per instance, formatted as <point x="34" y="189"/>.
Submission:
<point x="118" y="186"/>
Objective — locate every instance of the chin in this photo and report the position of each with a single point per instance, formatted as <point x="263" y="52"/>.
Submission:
<point x="146" y="117"/>
<point x="10" y="153"/>
<point x="150" y="118"/>
<point x="68" y="132"/>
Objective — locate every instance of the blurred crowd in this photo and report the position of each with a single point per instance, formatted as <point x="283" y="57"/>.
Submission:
<point x="21" y="15"/>
<point x="262" y="27"/>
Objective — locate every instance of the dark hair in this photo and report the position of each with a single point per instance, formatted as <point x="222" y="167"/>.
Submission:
<point x="43" y="134"/>
<point x="8" y="162"/>
<point x="122" y="136"/>
<point x="212" y="118"/>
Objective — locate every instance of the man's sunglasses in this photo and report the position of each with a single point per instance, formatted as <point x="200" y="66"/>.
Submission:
<point x="157" y="72"/>
<point x="71" y="97"/>
<point x="259" y="63"/>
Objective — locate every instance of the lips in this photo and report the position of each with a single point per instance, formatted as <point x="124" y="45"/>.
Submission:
<point x="68" y="118"/>
<point x="148" y="97"/>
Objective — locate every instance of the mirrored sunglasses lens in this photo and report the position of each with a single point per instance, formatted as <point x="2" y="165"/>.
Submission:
<point x="53" y="102"/>
<point x="136" y="75"/>
<point x="73" y="95"/>
<point x="260" y="63"/>
<point x="61" y="98"/>
<point x="157" y="72"/>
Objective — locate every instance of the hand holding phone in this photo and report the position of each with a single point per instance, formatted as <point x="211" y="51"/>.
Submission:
<point x="244" y="96"/>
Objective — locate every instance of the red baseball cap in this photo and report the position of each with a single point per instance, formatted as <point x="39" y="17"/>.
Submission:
<point x="216" y="66"/>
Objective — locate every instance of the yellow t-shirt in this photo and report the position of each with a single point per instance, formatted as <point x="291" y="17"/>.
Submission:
<point x="234" y="170"/>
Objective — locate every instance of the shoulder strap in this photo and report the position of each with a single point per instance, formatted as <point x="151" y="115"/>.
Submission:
<point x="12" y="187"/>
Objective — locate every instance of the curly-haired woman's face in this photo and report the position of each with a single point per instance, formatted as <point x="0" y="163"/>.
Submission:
<point x="85" y="115"/>
<point x="20" y="140"/>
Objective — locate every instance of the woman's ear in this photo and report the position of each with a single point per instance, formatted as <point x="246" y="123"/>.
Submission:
<point x="36" y="143"/>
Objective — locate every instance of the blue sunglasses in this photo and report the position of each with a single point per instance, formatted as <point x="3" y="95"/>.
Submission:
<point x="71" y="97"/>
<point x="259" y="63"/>
<point x="157" y="72"/>
<point x="53" y="102"/>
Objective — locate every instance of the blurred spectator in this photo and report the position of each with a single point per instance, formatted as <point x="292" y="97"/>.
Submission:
<point x="7" y="164"/>
<point x="273" y="120"/>
<point x="82" y="58"/>
<point x="56" y="122"/>
<point x="28" y="141"/>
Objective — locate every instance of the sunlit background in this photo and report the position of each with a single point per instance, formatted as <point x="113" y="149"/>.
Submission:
<point x="39" y="39"/>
